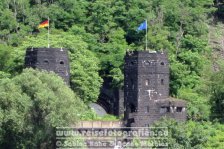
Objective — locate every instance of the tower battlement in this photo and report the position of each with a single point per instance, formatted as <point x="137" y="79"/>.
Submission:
<point x="50" y="59"/>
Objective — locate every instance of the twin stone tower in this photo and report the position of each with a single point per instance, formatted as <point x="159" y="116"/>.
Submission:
<point x="146" y="84"/>
<point x="146" y="90"/>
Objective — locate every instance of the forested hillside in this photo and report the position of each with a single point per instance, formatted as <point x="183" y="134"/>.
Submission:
<point x="97" y="34"/>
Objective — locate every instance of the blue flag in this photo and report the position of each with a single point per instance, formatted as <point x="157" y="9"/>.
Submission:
<point x="142" y="26"/>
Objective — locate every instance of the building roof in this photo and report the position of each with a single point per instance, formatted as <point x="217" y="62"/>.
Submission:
<point x="172" y="102"/>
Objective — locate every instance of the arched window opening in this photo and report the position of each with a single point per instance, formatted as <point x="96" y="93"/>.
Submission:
<point x="62" y="62"/>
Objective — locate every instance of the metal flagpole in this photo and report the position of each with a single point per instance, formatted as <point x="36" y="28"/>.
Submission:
<point x="146" y="44"/>
<point x="48" y="33"/>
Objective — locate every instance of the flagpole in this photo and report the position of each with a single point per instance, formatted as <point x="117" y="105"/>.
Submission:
<point x="48" y="33"/>
<point x="146" y="44"/>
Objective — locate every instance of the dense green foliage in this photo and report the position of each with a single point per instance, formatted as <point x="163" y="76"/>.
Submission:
<point x="32" y="105"/>
<point x="217" y="94"/>
<point x="193" y="135"/>
<point x="97" y="34"/>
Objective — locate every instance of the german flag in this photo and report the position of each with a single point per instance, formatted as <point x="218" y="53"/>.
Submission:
<point x="44" y="24"/>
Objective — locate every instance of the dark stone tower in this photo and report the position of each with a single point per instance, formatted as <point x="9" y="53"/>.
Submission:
<point x="146" y="89"/>
<point x="50" y="59"/>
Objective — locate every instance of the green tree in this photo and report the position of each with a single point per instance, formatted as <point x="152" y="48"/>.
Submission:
<point x="111" y="55"/>
<point x="188" y="63"/>
<point x="198" y="107"/>
<point x="217" y="94"/>
<point x="5" y="57"/>
<point x="184" y="135"/>
<point x="65" y="13"/>
<point x="32" y="105"/>
<point x="5" y="60"/>
<point x="7" y="26"/>
<point x="101" y="21"/>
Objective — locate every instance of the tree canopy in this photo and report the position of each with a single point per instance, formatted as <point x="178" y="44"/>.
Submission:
<point x="32" y="105"/>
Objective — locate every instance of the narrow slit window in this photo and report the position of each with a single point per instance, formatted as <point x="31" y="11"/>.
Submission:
<point x="162" y="81"/>
<point x="46" y="61"/>
<point x="167" y="109"/>
<point x="147" y="109"/>
<point x="132" y="84"/>
<point x="147" y="82"/>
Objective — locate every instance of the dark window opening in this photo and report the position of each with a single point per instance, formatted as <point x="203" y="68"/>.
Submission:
<point x="132" y="120"/>
<point x="167" y="109"/>
<point x="60" y="70"/>
<point x="46" y="61"/>
<point x="133" y="108"/>
<point x="147" y="109"/>
<point x="132" y="84"/>
<point x="162" y="63"/>
<point x="62" y="62"/>
<point x="147" y="125"/>
<point x="179" y="109"/>
<point x="163" y="109"/>
<point x="162" y="81"/>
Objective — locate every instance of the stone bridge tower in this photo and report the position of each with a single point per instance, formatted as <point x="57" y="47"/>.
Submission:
<point x="146" y="89"/>
<point x="50" y="59"/>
